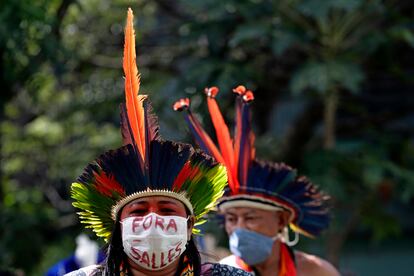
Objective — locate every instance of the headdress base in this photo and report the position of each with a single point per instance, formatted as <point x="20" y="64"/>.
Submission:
<point x="179" y="196"/>
<point x="252" y="201"/>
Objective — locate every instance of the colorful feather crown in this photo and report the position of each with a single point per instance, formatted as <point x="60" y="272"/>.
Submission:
<point x="146" y="165"/>
<point x="254" y="183"/>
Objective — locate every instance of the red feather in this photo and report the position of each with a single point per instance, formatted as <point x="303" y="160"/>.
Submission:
<point x="186" y="173"/>
<point x="286" y="265"/>
<point x="206" y="138"/>
<point x="252" y="138"/>
<point x="202" y="137"/>
<point x="107" y="185"/>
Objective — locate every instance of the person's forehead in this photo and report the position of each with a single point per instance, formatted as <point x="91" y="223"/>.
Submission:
<point x="242" y="211"/>
<point x="156" y="200"/>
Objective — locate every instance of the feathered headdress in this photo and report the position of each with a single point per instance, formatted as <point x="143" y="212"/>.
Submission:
<point x="146" y="165"/>
<point x="254" y="183"/>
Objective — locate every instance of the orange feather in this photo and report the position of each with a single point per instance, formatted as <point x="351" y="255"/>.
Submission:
<point x="205" y="138"/>
<point x="222" y="131"/>
<point x="134" y="102"/>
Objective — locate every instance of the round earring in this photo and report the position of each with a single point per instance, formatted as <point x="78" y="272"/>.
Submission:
<point x="285" y="237"/>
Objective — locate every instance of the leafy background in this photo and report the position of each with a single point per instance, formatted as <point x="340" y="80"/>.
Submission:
<point x="333" y="85"/>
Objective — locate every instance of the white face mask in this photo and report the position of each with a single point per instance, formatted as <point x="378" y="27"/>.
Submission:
<point x="153" y="242"/>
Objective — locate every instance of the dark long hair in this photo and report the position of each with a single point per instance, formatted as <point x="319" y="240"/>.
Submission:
<point x="193" y="255"/>
<point x="116" y="255"/>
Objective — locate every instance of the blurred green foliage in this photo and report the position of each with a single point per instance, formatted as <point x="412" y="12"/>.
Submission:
<point x="61" y="80"/>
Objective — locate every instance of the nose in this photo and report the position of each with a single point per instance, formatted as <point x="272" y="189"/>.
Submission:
<point x="240" y="223"/>
<point x="152" y="206"/>
<point x="152" y="209"/>
<point x="236" y="222"/>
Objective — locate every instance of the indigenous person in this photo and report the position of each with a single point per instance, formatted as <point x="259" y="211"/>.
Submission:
<point x="263" y="198"/>
<point x="146" y="197"/>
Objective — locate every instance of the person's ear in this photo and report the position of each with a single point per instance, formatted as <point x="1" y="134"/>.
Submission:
<point x="283" y="218"/>
<point x="190" y="226"/>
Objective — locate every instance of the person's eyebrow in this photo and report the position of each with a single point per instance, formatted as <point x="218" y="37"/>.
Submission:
<point x="164" y="202"/>
<point x="139" y="203"/>
<point x="231" y="214"/>
<point x="250" y="212"/>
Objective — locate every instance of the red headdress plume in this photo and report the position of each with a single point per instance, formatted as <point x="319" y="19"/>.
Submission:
<point x="235" y="153"/>
<point x="254" y="183"/>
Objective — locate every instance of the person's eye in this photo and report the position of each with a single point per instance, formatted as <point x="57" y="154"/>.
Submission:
<point x="167" y="210"/>
<point x="251" y="218"/>
<point x="138" y="211"/>
<point x="230" y="219"/>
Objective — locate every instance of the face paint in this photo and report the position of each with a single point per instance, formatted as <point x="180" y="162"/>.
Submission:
<point x="153" y="242"/>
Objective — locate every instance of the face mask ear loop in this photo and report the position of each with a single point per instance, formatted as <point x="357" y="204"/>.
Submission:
<point x="188" y="219"/>
<point x="279" y="236"/>
<point x="286" y="240"/>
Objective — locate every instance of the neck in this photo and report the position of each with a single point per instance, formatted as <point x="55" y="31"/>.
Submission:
<point x="170" y="270"/>
<point x="271" y="265"/>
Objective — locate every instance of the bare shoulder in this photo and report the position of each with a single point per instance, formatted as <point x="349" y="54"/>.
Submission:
<point x="312" y="265"/>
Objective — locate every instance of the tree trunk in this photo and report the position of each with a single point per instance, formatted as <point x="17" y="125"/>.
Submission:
<point x="1" y="155"/>
<point x="330" y="108"/>
<point x="295" y="141"/>
<point x="336" y="237"/>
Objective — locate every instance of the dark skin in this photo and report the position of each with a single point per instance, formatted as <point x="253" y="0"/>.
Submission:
<point x="163" y="206"/>
<point x="270" y="223"/>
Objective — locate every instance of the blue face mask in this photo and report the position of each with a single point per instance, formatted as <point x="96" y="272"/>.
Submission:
<point x="253" y="248"/>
